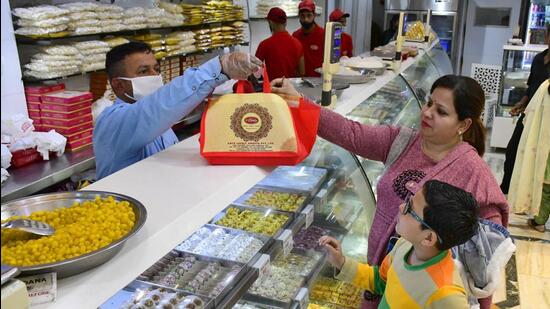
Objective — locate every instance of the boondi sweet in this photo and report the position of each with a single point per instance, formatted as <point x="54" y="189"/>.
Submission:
<point x="79" y="229"/>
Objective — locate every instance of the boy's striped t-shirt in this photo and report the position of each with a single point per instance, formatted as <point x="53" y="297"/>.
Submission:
<point x="433" y="284"/>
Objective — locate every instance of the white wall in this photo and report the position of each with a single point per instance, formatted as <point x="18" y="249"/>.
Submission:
<point x="484" y="44"/>
<point x="13" y="93"/>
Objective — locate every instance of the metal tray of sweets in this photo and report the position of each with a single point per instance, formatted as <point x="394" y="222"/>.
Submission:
<point x="43" y="202"/>
<point x="302" y="178"/>
<point x="184" y="280"/>
<point x="269" y="197"/>
<point x="266" y="242"/>
<point x="254" y="226"/>
<point x="146" y="294"/>
<point x="273" y="284"/>
<point x="298" y="280"/>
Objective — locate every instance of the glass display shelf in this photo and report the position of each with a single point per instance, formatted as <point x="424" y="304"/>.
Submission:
<point x="421" y="76"/>
<point x="440" y="59"/>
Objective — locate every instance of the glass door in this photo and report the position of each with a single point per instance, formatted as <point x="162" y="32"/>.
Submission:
<point x="443" y="24"/>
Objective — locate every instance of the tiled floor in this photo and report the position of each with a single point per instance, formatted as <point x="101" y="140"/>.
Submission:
<point x="527" y="275"/>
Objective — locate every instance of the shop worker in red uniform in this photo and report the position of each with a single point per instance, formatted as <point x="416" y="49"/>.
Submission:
<point x="311" y="36"/>
<point x="282" y="53"/>
<point x="347" y="44"/>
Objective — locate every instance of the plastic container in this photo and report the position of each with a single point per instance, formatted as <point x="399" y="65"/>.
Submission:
<point x="67" y="97"/>
<point x="69" y="130"/>
<point x="67" y="122"/>
<point x="66" y="115"/>
<point x="25" y="157"/>
<point x="66" y="107"/>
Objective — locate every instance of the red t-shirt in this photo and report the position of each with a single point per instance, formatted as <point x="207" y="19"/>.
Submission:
<point x="313" y="44"/>
<point x="347" y="45"/>
<point x="281" y="53"/>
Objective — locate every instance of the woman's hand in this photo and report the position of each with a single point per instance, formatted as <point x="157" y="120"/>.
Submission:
<point x="283" y="86"/>
<point x="334" y="249"/>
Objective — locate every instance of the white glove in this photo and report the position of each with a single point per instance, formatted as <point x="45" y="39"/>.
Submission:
<point x="238" y="65"/>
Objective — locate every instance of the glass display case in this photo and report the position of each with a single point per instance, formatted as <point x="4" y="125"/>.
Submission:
<point x="262" y="250"/>
<point x="421" y="76"/>
<point x="394" y="104"/>
<point x="439" y="57"/>
<point x="516" y="66"/>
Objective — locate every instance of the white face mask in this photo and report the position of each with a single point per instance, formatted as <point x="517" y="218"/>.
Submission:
<point x="144" y="86"/>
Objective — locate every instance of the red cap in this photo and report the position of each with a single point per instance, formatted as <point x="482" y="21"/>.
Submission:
<point x="277" y="15"/>
<point x="337" y="14"/>
<point x="307" y="5"/>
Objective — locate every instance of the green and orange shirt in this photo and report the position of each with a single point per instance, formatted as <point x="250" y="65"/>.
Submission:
<point x="433" y="284"/>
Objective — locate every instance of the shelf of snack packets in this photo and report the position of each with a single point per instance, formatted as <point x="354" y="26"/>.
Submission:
<point x="89" y="18"/>
<point x="64" y="60"/>
<point x="260" y="252"/>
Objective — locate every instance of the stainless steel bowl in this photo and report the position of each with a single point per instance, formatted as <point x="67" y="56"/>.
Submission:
<point x="26" y="206"/>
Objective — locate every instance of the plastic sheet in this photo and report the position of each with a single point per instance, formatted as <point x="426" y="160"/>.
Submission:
<point x="39" y="12"/>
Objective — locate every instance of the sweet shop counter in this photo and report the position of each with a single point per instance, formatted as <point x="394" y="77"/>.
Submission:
<point x="223" y="236"/>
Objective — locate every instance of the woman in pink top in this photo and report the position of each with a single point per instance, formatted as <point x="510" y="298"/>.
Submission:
<point x="448" y="147"/>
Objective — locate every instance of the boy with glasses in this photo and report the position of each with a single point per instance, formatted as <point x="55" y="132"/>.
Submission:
<point x="419" y="271"/>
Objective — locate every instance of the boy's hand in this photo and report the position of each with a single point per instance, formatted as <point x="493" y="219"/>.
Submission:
<point x="335" y="256"/>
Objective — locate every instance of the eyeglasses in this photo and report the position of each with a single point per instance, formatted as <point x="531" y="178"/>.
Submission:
<point x="408" y="210"/>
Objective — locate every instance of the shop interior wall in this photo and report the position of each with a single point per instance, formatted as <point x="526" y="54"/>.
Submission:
<point x="13" y="95"/>
<point x="484" y="44"/>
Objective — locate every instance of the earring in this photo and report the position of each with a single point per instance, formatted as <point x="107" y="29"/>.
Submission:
<point x="459" y="132"/>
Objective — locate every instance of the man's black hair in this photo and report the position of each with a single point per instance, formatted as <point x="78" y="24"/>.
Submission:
<point x="113" y="61"/>
<point x="451" y="212"/>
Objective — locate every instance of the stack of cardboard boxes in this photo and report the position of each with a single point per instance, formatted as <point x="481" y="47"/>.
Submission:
<point x="70" y="114"/>
<point x="33" y="95"/>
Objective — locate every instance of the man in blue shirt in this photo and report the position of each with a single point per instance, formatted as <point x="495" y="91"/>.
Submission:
<point x="138" y="124"/>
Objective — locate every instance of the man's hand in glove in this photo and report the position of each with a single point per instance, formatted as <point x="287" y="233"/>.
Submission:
<point x="238" y="65"/>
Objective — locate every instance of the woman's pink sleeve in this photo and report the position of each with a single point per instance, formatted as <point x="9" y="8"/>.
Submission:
<point x="371" y="142"/>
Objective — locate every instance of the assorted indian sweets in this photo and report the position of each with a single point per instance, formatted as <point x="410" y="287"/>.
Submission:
<point x="186" y="272"/>
<point x="221" y="244"/>
<point x="79" y="229"/>
<point x="278" y="200"/>
<point x="253" y="221"/>
<point x="162" y="298"/>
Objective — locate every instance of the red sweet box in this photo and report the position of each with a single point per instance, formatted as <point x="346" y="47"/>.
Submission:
<point x="78" y="144"/>
<point x="68" y="130"/>
<point x="80" y="135"/>
<point x="42" y="89"/>
<point x="67" y="122"/>
<point x="66" y="115"/>
<point x="34" y="113"/>
<point x="67" y="97"/>
<point x="65" y="107"/>
<point x="33" y="105"/>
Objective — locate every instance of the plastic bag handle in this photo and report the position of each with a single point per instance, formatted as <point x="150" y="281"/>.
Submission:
<point x="266" y="84"/>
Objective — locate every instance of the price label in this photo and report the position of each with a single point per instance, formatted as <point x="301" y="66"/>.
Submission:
<point x="41" y="288"/>
<point x="303" y="298"/>
<point x="287" y="241"/>
<point x="309" y="213"/>
<point x="263" y="265"/>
